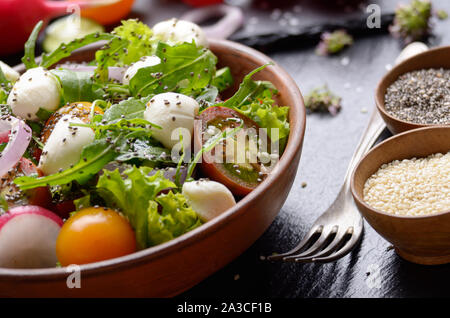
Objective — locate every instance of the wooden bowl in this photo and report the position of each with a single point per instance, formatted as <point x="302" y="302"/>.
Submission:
<point x="175" y="266"/>
<point x="424" y="239"/>
<point x="434" y="58"/>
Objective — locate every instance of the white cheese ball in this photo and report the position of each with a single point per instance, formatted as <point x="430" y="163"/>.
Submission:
<point x="172" y="111"/>
<point x="9" y="72"/>
<point x="36" y="88"/>
<point x="145" y="61"/>
<point x="176" y="31"/>
<point x="64" y="145"/>
<point x="208" y="198"/>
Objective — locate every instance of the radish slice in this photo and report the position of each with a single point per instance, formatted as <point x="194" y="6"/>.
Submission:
<point x="19" y="138"/>
<point x="28" y="237"/>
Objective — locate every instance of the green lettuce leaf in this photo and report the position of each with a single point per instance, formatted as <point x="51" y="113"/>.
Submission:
<point x="184" y="68"/>
<point x="132" y="195"/>
<point x="140" y="41"/>
<point x="267" y="115"/>
<point x="175" y="219"/>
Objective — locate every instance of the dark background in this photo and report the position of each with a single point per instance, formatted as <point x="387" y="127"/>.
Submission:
<point x="372" y="269"/>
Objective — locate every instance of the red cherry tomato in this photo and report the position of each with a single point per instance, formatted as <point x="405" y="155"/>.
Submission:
<point x="199" y="3"/>
<point x="38" y="196"/>
<point x="94" y="234"/>
<point x="240" y="177"/>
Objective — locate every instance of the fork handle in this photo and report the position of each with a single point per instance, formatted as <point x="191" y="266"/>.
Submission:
<point x="373" y="130"/>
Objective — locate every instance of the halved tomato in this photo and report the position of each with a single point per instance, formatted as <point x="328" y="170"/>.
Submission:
<point x="38" y="196"/>
<point x="81" y="110"/>
<point x="236" y="161"/>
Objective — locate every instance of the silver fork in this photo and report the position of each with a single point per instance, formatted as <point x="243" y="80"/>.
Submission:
<point x="340" y="227"/>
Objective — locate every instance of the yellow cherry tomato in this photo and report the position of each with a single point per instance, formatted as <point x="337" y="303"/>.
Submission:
<point x="92" y="235"/>
<point x="108" y="14"/>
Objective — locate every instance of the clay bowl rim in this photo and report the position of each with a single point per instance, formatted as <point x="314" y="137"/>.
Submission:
<point x="379" y="98"/>
<point x="361" y="201"/>
<point x="297" y="120"/>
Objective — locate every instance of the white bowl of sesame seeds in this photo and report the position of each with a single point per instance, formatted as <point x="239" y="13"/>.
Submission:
<point x="402" y="188"/>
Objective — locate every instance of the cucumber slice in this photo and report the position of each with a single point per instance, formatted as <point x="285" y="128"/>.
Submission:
<point x="68" y="28"/>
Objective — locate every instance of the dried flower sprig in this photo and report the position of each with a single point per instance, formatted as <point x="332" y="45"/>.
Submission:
<point x="333" y="42"/>
<point x="323" y="100"/>
<point x="412" y="21"/>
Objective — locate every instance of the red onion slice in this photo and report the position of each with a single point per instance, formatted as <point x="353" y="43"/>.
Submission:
<point x="231" y="19"/>
<point x="19" y="138"/>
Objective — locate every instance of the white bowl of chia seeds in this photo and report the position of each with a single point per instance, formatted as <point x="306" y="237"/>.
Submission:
<point x="416" y="92"/>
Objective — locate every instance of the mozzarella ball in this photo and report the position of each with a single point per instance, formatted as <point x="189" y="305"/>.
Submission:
<point x="145" y="61"/>
<point x="172" y="111"/>
<point x="175" y="31"/>
<point x="208" y="198"/>
<point x="9" y="72"/>
<point x="36" y="88"/>
<point x="64" y="146"/>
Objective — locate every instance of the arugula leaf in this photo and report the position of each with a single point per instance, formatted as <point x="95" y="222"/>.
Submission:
<point x="185" y="68"/>
<point x="132" y="196"/>
<point x="43" y="114"/>
<point x="77" y="86"/>
<point x="175" y="219"/>
<point x="208" y="97"/>
<point x="29" y="58"/>
<point x="223" y="79"/>
<point x="248" y="89"/>
<point x="65" y="49"/>
<point x="110" y="54"/>
<point x="97" y="154"/>
<point x="209" y="145"/>
<point x="130" y="108"/>
<point x="145" y="149"/>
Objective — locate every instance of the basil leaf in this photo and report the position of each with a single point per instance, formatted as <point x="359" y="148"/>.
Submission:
<point x="29" y="58"/>
<point x="65" y="49"/>
<point x="184" y="68"/>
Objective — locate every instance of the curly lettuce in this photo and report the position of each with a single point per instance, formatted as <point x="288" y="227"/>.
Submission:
<point x="254" y="100"/>
<point x="176" y="218"/>
<point x="138" y="197"/>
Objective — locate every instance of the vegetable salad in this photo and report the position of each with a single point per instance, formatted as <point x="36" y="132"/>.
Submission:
<point x="129" y="150"/>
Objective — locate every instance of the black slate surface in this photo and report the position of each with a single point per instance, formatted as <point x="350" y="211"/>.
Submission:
<point x="372" y="269"/>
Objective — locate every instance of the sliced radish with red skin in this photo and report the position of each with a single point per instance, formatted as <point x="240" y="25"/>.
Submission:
<point x="28" y="237"/>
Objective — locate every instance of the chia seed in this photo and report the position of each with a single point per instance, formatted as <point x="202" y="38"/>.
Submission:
<point x="421" y="97"/>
